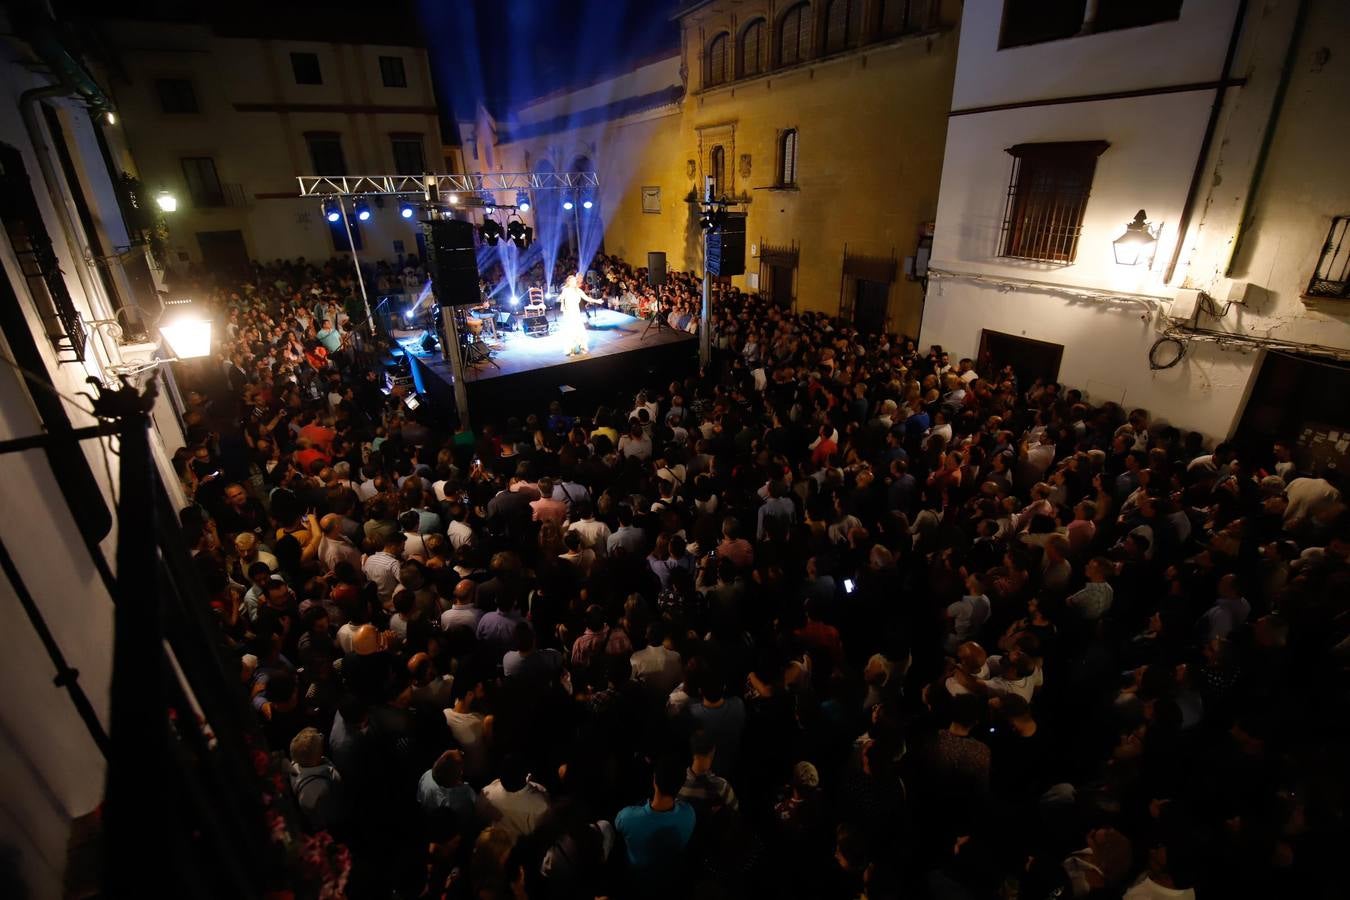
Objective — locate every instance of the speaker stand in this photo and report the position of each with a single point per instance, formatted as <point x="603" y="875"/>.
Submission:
<point x="658" y="321"/>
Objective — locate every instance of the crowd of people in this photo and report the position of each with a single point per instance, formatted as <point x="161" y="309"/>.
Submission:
<point x="834" y="618"/>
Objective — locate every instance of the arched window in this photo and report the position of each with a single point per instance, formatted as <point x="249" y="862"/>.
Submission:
<point x="842" y="20"/>
<point x="718" y="58"/>
<point x="794" y="35"/>
<point x="717" y="163"/>
<point x="787" y="158"/>
<point x="905" y="16"/>
<point x="753" y="45"/>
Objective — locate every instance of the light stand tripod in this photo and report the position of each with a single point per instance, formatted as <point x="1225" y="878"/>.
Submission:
<point x="657" y="320"/>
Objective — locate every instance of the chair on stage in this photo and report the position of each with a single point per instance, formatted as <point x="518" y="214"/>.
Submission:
<point x="534" y="320"/>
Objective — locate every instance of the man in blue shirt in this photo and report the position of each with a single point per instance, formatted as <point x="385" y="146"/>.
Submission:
<point x="655" y="833"/>
<point x="329" y="336"/>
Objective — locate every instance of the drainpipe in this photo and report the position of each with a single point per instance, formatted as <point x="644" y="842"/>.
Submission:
<point x="28" y="107"/>
<point x="1263" y="154"/>
<point x="1188" y="209"/>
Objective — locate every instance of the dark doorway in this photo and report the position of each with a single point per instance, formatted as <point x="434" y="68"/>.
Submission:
<point x="224" y="252"/>
<point x="1029" y="359"/>
<point x="780" y="286"/>
<point x="869" y="309"/>
<point x="1303" y="400"/>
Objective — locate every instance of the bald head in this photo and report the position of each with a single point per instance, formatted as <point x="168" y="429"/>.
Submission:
<point x="466" y="592"/>
<point x="331" y="524"/>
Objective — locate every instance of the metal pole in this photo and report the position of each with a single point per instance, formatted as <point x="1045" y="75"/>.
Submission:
<point x="456" y="364"/>
<point x="704" y="337"/>
<point x="356" y="261"/>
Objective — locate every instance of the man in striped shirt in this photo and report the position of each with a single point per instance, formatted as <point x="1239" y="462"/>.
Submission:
<point x="705" y="791"/>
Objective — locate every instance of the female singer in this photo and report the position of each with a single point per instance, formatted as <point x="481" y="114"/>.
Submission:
<point x="573" y="320"/>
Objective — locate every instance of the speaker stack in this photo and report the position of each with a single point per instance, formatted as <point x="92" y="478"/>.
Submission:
<point x="453" y="262"/>
<point x="726" y="247"/>
<point x="656" y="268"/>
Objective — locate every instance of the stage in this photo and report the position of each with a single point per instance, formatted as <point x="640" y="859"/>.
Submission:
<point x="537" y="366"/>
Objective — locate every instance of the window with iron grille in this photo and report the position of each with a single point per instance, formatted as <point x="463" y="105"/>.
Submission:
<point x="305" y="68"/>
<point x="717" y="162"/>
<point x="787" y="158"/>
<point x="392" y="72"/>
<point x="1331" y="278"/>
<point x="203" y="182"/>
<point x="325" y="152"/>
<point x="752" y="50"/>
<point x="842" y="18"/>
<point x="1047" y="194"/>
<point x="717" y="60"/>
<point x="176" y="96"/>
<point x="408" y="158"/>
<point x="794" y="35"/>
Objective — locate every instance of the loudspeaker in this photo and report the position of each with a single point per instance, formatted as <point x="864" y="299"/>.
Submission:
<point x="453" y="262"/>
<point x="656" y="268"/>
<point x="726" y="247"/>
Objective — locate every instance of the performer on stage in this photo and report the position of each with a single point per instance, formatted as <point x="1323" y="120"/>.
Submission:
<point x="573" y="320"/>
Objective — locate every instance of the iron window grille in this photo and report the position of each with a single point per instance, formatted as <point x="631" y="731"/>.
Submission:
<point x="1047" y="194"/>
<point x="787" y="153"/>
<point x="906" y="16"/>
<point x="1331" y="278"/>
<point x="752" y="49"/>
<point x="717" y="60"/>
<point x="794" y="35"/>
<point x="842" y="18"/>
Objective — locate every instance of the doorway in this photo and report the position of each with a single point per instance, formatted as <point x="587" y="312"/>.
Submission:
<point x="1304" y="400"/>
<point x="224" y="252"/>
<point x="1030" y="359"/>
<point x="780" y="286"/>
<point x="869" y="305"/>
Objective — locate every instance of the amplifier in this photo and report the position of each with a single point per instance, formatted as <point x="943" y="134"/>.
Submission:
<point x="536" y="325"/>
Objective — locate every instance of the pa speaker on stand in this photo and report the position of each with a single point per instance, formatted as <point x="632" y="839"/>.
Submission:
<point x="656" y="268"/>
<point x="726" y="246"/>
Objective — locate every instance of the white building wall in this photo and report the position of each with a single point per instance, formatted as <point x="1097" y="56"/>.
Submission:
<point x="1108" y="316"/>
<point x="52" y="769"/>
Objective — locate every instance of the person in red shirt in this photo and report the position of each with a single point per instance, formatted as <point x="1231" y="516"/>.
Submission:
<point x="824" y="447"/>
<point x="819" y="636"/>
<point x="320" y="436"/>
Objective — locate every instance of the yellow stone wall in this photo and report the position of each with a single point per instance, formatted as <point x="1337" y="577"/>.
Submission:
<point x="872" y="127"/>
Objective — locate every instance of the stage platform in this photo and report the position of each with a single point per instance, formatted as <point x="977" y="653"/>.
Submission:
<point x="531" y="367"/>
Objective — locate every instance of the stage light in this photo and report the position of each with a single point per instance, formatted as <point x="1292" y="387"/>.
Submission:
<point x="515" y="301"/>
<point x="490" y="210"/>
<point x="567" y="204"/>
<point x="362" y="210"/>
<point x="406" y="209"/>
<point x="586" y="204"/>
<point x="454" y="199"/>
<point x="522" y="201"/>
<point x="491" y="232"/>
<point x="166" y="201"/>
<point x="408" y="314"/>
<point x="331" y="211"/>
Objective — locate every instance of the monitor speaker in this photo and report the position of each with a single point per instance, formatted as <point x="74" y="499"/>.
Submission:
<point x="726" y="247"/>
<point x="453" y="262"/>
<point x="656" y="268"/>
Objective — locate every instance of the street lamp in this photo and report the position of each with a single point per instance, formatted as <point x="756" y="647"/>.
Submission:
<point x="1138" y="243"/>
<point x="166" y="201"/>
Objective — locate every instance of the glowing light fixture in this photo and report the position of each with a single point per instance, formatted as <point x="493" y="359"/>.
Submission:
<point x="587" y="203"/>
<point x="166" y="201"/>
<point x="186" y="332"/>
<point x="454" y="199"/>
<point x="567" y="204"/>
<point x="406" y="209"/>
<point x="490" y="231"/>
<point x="1138" y="243"/>
<point x="362" y="209"/>
<point x="110" y="117"/>
<point x="522" y="201"/>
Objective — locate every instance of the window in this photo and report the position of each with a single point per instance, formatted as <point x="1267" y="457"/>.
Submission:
<point x="1331" y="278"/>
<point x="787" y="158"/>
<point x="408" y="158"/>
<point x="305" y="67"/>
<point x="1037" y="21"/>
<point x="392" y="72"/>
<point x="752" y="50"/>
<point x="718" y="164"/>
<point x="1046" y="198"/>
<point x="203" y="183"/>
<point x="905" y="16"/>
<point x="794" y="35"/>
<point x="325" y="152"/>
<point x="176" y="96"/>
<point x="717" y="61"/>
<point x="842" y="18"/>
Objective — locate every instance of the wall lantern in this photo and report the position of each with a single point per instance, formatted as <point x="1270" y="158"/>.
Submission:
<point x="166" y="201"/>
<point x="1138" y="243"/>
<point x="186" y="333"/>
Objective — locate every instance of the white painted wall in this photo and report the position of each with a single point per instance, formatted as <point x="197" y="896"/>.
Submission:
<point x="1154" y="144"/>
<point x="52" y="771"/>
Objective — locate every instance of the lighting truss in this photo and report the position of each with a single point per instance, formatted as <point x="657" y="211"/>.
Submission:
<point x="348" y="185"/>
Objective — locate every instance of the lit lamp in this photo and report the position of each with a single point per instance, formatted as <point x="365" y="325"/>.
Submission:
<point x="166" y="201"/>
<point x="187" y="338"/>
<point x="1137" y="244"/>
<point x="184" y="334"/>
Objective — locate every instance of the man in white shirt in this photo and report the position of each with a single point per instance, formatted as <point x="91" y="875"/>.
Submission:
<point x="413" y="544"/>
<point x="1307" y="496"/>
<point x="968" y="614"/>
<point x="594" y="534"/>
<point x="463" y="613"/>
<point x="382" y="567"/>
<point x="336" y="547"/>
<point x="1094" y="599"/>
<point x="513" y="803"/>
<point x="657" y="667"/>
<point x="459" y="532"/>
